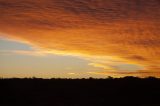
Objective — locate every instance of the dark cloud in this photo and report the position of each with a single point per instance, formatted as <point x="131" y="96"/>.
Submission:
<point x="58" y="13"/>
<point x="139" y="58"/>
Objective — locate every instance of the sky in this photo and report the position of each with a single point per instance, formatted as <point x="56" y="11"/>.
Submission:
<point x="79" y="38"/>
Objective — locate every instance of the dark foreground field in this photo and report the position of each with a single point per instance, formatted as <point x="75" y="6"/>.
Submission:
<point x="128" y="91"/>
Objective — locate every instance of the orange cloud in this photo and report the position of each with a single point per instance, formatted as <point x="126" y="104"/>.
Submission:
<point x="128" y="31"/>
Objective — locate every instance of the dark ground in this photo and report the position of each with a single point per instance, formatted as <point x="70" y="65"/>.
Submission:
<point x="128" y="91"/>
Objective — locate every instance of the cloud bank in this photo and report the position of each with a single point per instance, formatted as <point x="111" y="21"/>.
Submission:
<point x="127" y="31"/>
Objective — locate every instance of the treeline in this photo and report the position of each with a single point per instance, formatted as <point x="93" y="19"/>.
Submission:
<point x="89" y="78"/>
<point x="127" y="91"/>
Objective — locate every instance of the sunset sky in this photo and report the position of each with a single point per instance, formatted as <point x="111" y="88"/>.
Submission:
<point x="79" y="38"/>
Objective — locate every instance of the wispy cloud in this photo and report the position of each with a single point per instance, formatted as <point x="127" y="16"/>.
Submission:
<point x="23" y="52"/>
